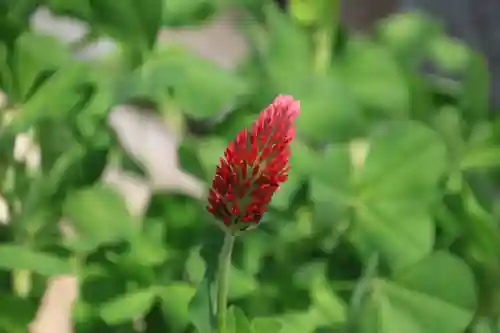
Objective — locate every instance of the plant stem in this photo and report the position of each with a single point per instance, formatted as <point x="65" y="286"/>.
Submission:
<point x="323" y="39"/>
<point x="223" y="281"/>
<point x="21" y="281"/>
<point x="325" y="35"/>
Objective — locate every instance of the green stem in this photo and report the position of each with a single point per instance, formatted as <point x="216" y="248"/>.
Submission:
<point x="223" y="281"/>
<point x="21" y="281"/>
<point x="325" y="34"/>
<point x="323" y="41"/>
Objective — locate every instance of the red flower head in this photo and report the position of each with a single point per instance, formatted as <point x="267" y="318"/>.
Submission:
<point x="253" y="166"/>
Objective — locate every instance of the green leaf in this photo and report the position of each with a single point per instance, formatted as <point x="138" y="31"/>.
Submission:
<point x="188" y="13"/>
<point x="209" y="153"/>
<point x="79" y="8"/>
<point x="475" y="97"/>
<point x="199" y="87"/>
<point x="83" y="312"/>
<point x="150" y="14"/>
<point x="214" y="87"/>
<point x="289" y="54"/>
<point x="54" y="99"/>
<point x="306" y="276"/>
<point x="397" y="152"/>
<point x="394" y="193"/>
<point x="6" y="75"/>
<point x="329" y="110"/>
<point x="314" y="13"/>
<point x="16" y="313"/>
<point x="255" y="246"/>
<point x="35" y="54"/>
<point x="479" y="225"/>
<point x="304" y="12"/>
<point x="127" y="307"/>
<point x="448" y="122"/>
<point x="100" y="285"/>
<point x="241" y="283"/>
<point x="481" y="158"/>
<point x="360" y="291"/>
<point x="91" y="118"/>
<point x="282" y="198"/>
<point x="147" y="253"/>
<point x="175" y="299"/>
<point x="134" y="22"/>
<point x="331" y="186"/>
<point x="237" y="322"/>
<point x="184" y="218"/>
<point x="304" y="321"/>
<point x="266" y="325"/>
<point x="195" y="265"/>
<point x="365" y="67"/>
<point x="100" y="215"/>
<point x="449" y="54"/>
<point x="408" y="34"/>
<point x="333" y="169"/>
<point x="422" y="298"/>
<point x="303" y="160"/>
<point x="201" y="307"/>
<point x="16" y="257"/>
<point x="332" y="307"/>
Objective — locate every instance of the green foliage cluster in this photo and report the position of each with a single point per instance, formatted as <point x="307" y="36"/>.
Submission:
<point x="388" y="223"/>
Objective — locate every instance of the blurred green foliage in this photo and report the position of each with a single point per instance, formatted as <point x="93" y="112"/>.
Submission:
<point x="389" y="222"/>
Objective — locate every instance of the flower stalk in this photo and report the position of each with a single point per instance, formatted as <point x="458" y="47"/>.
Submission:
<point x="250" y="172"/>
<point x="223" y="280"/>
<point x="325" y="34"/>
<point x="324" y="42"/>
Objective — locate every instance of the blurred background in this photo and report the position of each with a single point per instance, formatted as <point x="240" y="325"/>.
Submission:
<point x="143" y="97"/>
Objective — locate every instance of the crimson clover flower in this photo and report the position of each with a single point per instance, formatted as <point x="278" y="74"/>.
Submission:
<point x="254" y="165"/>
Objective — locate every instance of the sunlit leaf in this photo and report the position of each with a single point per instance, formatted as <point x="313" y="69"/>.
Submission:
<point x="392" y="214"/>
<point x="17" y="257"/>
<point x="127" y="307"/>
<point x="175" y="299"/>
<point x="237" y="321"/>
<point x="201" y="307"/>
<point x="423" y="298"/>
<point x="100" y="215"/>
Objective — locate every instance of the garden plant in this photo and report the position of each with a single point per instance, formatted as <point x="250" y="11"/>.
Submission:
<point x="351" y="180"/>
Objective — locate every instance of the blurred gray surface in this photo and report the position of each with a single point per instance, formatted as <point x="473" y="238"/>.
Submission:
<point x="475" y="22"/>
<point x="363" y="14"/>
